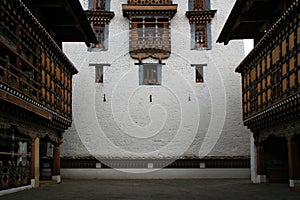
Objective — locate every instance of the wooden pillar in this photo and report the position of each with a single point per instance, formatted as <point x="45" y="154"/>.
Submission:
<point x="291" y="145"/>
<point x="260" y="162"/>
<point x="32" y="158"/>
<point x="56" y="163"/>
<point x="35" y="162"/>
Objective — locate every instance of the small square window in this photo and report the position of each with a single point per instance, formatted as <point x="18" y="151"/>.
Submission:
<point x="99" y="74"/>
<point x="150" y="74"/>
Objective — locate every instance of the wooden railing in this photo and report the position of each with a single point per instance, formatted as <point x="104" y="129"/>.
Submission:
<point x="150" y="43"/>
<point x="156" y="163"/>
<point x="150" y="39"/>
<point x="12" y="175"/>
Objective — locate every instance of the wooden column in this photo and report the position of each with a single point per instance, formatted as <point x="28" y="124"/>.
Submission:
<point x="56" y="163"/>
<point x="35" y="162"/>
<point x="56" y="160"/>
<point x="291" y="145"/>
<point x="32" y="158"/>
<point x="260" y="160"/>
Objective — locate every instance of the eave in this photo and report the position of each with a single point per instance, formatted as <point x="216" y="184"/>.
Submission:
<point x="249" y="19"/>
<point x="149" y="10"/>
<point x="65" y="19"/>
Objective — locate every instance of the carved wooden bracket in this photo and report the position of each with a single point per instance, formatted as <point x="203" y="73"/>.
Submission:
<point x="99" y="17"/>
<point x="200" y="17"/>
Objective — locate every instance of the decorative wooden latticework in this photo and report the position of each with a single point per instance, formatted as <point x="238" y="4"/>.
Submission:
<point x="34" y="72"/>
<point x="150" y="39"/>
<point x="271" y="74"/>
<point x="12" y="175"/>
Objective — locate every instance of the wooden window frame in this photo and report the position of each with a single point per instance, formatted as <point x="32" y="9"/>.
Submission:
<point x="150" y="74"/>
<point x="99" y="73"/>
<point x="149" y="31"/>
<point x="199" y="78"/>
<point x="199" y="72"/>
<point x="99" y="4"/>
<point x="199" y="5"/>
<point x="201" y="36"/>
<point x="99" y="31"/>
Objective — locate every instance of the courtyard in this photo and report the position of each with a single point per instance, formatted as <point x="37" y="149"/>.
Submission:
<point x="156" y="189"/>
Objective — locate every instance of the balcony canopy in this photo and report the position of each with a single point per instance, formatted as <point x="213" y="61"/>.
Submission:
<point x="64" y="19"/>
<point x="249" y="19"/>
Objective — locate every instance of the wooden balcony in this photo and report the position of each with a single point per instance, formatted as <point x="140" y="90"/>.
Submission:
<point x="150" y="42"/>
<point x="34" y="72"/>
<point x="150" y="45"/>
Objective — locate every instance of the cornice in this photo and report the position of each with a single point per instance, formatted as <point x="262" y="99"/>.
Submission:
<point x="200" y="17"/>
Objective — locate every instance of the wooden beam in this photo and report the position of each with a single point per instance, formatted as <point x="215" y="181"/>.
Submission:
<point x="23" y="104"/>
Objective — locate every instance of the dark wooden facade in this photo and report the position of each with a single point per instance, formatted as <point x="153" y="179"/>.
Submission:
<point x="270" y="83"/>
<point x="36" y="85"/>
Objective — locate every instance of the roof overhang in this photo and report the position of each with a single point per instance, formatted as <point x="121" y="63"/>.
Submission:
<point x="151" y="10"/>
<point x="249" y="19"/>
<point x="65" y="19"/>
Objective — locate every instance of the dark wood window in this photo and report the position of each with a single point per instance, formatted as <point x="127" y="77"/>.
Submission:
<point x="99" y="31"/>
<point x="99" y="4"/>
<point x="201" y="35"/>
<point x="150" y="74"/>
<point x="199" y="74"/>
<point x="99" y="74"/>
<point x="199" y="5"/>
<point x="276" y="86"/>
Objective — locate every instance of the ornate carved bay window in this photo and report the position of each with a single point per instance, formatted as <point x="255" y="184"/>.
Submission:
<point x="149" y="28"/>
<point x="100" y="17"/>
<point x="200" y="16"/>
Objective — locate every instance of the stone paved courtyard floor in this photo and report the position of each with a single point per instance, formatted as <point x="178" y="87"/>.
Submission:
<point x="156" y="189"/>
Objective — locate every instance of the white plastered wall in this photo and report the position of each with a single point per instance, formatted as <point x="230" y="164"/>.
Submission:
<point x="185" y="119"/>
